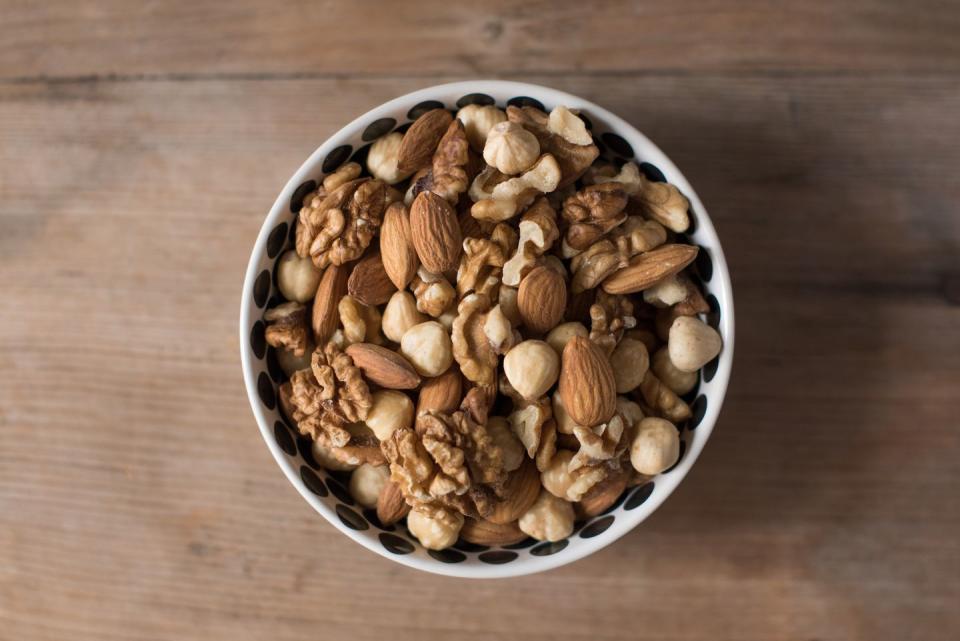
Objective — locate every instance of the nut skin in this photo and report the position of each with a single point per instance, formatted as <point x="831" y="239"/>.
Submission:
<point x="692" y="343"/>
<point x="520" y="491"/>
<point x="400" y="315"/>
<point x="600" y="497"/>
<point x="649" y="268"/>
<point x="391" y="506"/>
<point x="427" y="346"/>
<point x="399" y="257"/>
<point x="333" y="287"/>
<point x="532" y="368"/>
<point x="655" y="446"/>
<point x="421" y="140"/>
<point x="435" y="233"/>
<point x="441" y="393"/>
<point x="542" y="299"/>
<point x="483" y="532"/>
<point x="369" y="282"/>
<point x="383" y="366"/>
<point x="297" y="277"/>
<point x="629" y="361"/>
<point x="587" y="385"/>
<point x="391" y="410"/>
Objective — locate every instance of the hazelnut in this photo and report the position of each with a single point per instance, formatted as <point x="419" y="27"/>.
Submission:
<point x="510" y="148"/>
<point x="382" y="159"/>
<point x="513" y="453"/>
<point x="679" y="381"/>
<point x="655" y="446"/>
<point x="428" y="348"/>
<point x="400" y="315"/>
<point x="532" y="367"/>
<point x="692" y="343"/>
<point x="508" y="304"/>
<point x="629" y="361"/>
<point x="559" y="335"/>
<point x="297" y="278"/>
<point x="557" y="479"/>
<point x="366" y="483"/>
<point x="391" y="410"/>
<point x="477" y="121"/>
<point x="325" y="458"/>
<point x="548" y="519"/>
<point x="435" y="528"/>
<point x="565" y="423"/>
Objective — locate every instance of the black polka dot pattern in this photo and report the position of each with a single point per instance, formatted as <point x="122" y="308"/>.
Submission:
<point x="336" y="158"/>
<point x="276" y="240"/>
<point x="448" y="556"/>
<point x="639" y="496"/>
<point x="525" y="101"/>
<point x="421" y="108"/>
<point x="546" y="549"/>
<point x="305" y="447"/>
<point x="589" y="123"/>
<point x="617" y="145"/>
<point x="378" y="128"/>
<point x="284" y="440"/>
<point x="261" y="288"/>
<point x="652" y="172"/>
<point x="710" y="369"/>
<point x="351" y="519"/>
<point x="265" y="390"/>
<point x="257" y="341"/>
<point x="698" y="409"/>
<point x="713" y="316"/>
<point x="273" y="366"/>
<point x="466" y="546"/>
<point x="704" y="265"/>
<point x="598" y="527"/>
<point x="360" y="156"/>
<point x="475" y="99"/>
<point x="339" y="491"/>
<point x="296" y="200"/>
<point x="374" y="520"/>
<point x="395" y="544"/>
<point x="498" y="557"/>
<point x="521" y="545"/>
<point x="312" y="481"/>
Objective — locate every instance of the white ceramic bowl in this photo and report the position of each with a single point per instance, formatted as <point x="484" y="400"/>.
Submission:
<point x="326" y="491"/>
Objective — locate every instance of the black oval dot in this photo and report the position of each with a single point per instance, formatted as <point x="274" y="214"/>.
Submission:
<point x="377" y="128"/>
<point x="467" y="546"/>
<point x="423" y="107"/>
<point x="339" y="491"/>
<point x="589" y="123"/>
<point x="618" y="145"/>
<point x="265" y="390"/>
<point x="652" y="172"/>
<point x="312" y="481"/>
<point x="261" y="288"/>
<point x="616" y="504"/>
<point x="351" y="519"/>
<point x="475" y="99"/>
<point x="305" y="447"/>
<point x="284" y="440"/>
<point x="710" y="369"/>
<point x="276" y="240"/>
<point x="639" y="496"/>
<point x="360" y="155"/>
<point x="525" y="101"/>
<point x="296" y="200"/>
<point x="704" y="265"/>
<point x="683" y="448"/>
<point x="273" y="366"/>
<point x="257" y="341"/>
<point x="336" y="158"/>
<point x="448" y="556"/>
<point x="698" y="408"/>
<point x="521" y="545"/>
<point x="713" y="316"/>
<point x="602" y="148"/>
<point x="293" y="230"/>
<point x="374" y="520"/>
<point x="395" y="544"/>
<point x="498" y="557"/>
<point x="693" y="223"/>
<point x="548" y="548"/>
<point x="597" y="528"/>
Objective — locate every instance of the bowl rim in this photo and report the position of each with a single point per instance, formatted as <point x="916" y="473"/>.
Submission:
<point x="723" y="290"/>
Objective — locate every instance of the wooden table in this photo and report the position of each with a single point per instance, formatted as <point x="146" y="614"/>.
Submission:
<point x="140" y="147"/>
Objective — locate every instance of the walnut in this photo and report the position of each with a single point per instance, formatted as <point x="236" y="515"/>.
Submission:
<point x="609" y="254"/>
<point x="572" y="158"/>
<point x="480" y="335"/>
<point x="535" y="428"/>
<point x="611" y="315"/>
<point x="663" y="400"/>
<point x="482" y="261"/>
<point x="637" y="235"/>
<point x="361" y="323"/>
<point x="629" y="178"/>
<point x="511" y="196"/>
<point x="363" y="448"/>
<point x="538" y="232"/>
<point x="448" y="178"/>
<point x="665" y="204"/>
<point x="592" y="212"/>
<point x="287" y="327"/>
<point x="329" y="396"/>
<point x="345" y="173"/>
<point x="411" y="467"/>
<point x="599" y="443"/>
<point x="339" y="227"/>
<point x="434" y="293"/>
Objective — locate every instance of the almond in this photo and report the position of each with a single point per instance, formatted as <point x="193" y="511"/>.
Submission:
<point x="600" y="497"/>
<point x="441" y="393"/>
<point x="384" y="367"/>
<point x="483" y="532"/>
<point x="435" y="233"/>
<point x="421" y="140"/>
<point x="333" y="287"/>
<point x="396" y="247"/>
<point x="520" y="492"/>
<point x="542" y="299"/>
<point x="649" y="268"/>
<point x="368" y="281"/>
<point x="390" y="504"/>
<point x="587" y="386"/>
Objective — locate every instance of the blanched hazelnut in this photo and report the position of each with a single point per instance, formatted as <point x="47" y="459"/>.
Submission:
<point x="513" y="453"/>
<point x="568" y="126"/>
<point x="391" y="410"/>
<point x="477" y="121"/>
<point x="562" y="333"/>
<point x="557" y="479"/>
<point x="435" y="528"/>
<point x="532" y="367"/>
<point x="428" y="348"/>
<point x="565" y="423"/>
<point x="692" y="343"/>
<point x="382" y="159"/>
<point x="297" y="278"/>
<point x="400" y="315"/>
<point x="655" y="446"/>
<point x="679" y="381"/>
<point x="366" y="483"/>
<point x="510" y="148"/>
<point x="325" y="458"/>
<point x="549" y="519"/>
<point x="630" y="362"/>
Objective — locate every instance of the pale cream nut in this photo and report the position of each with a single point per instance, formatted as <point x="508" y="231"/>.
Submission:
<point x="436" y="530"/>
<point x="446" y="319"/>
<point x="667" y="292"/>
<point x="297" y="278"/>
<point x="679" y="381"/>
<point x="630" y="362"/>
<point x="391" y="410"/>
<point x="568" y="126"/>
<point x="532" y="367"/>
<point x="655" y="446"/>
<point x="361" y="323"/>
<point x="510" y="148"/>
<point x="629" y="176"/>
<point x="477" y="121"/>
<point x="400" y="314"/>
<point x="366" y="483"/>
<point x="631" y="412"/>
<point x="557" y="479"/>
<point x="435" y="295"/>
<point x="565" y="424"/>
<point x="549" y="519"/>
<point x="508" y="305"/>
<point x="325" y="458"/>
<point x="382" y="159"/>
<point x="562" y="333"/>
<point x="428" y="348"/>
<point x="692" y="343"/>
<point x="513" y="453"/>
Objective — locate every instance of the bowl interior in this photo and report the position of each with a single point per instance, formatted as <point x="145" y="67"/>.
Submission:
<point x="327" y="491"/>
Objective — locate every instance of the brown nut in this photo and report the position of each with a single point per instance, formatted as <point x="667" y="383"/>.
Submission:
<point x="383" y="366"/>
<point x="435" y="233"/>
<point x="421" y="140"/>
<point x="333" y="287"/>
<point x="484" y="532"/>
<point x="441" y="393"/>
<point x="542" y="299"/>
<point x="369" y="282"/>
<point x="399" y="257"/>
<point x="587" y="385"/>
<point x="391" y="506"/>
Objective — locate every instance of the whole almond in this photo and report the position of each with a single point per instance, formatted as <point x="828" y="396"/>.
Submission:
<point x="333" y="287"/>
<point x="649" y="268"/>
<point x="368" y="281"/>
<point x="542" y="299"/>
<point x="396" y="247"/>
<point x="600" y="497"/>
<point x="520" y="492"/>
<point x="587" y="386"/>
<point x="421" y="140"/>
<point x="441" y="393"/>
<point x="435" y="233"/>
<point x="390" y="504"/>
<point x="384" y="367"/>
<point x="483" y="532"/>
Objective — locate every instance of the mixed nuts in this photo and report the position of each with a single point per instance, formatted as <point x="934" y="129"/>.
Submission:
<point x="490" y="326"/>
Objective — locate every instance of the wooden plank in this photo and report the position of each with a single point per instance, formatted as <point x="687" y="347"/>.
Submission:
<point x="498" y="38"/>
<point x="136" y="496"/>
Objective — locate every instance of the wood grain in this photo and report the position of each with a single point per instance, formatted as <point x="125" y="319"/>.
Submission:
<point x="137" y="499"/>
